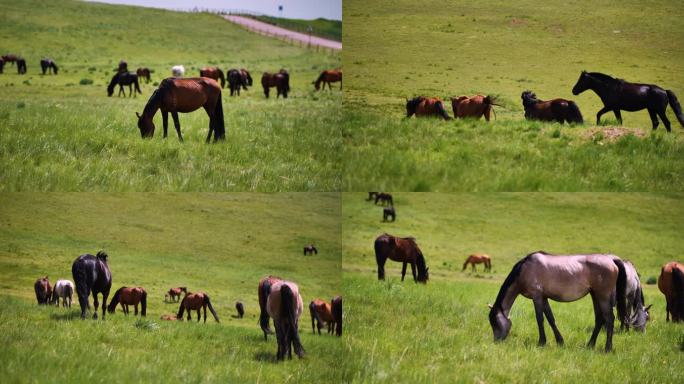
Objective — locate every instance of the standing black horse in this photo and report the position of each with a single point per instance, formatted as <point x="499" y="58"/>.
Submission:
<point x="21" y="65"/>
<point x="48" y="65"/>
<point x="91" y="274"/>
<point x="124" y="78"/>
<point x="618" y="94"/>
<point x="236" y="81"/>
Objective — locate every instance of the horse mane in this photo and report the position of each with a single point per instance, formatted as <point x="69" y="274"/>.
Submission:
<point x="510" y="279"/>
<point x="156" y="99"/>
<point x="320" y="78"/>
<point x="415" y="100"/>
<point x="605" y="79"/>
<point x="102" y="255"/>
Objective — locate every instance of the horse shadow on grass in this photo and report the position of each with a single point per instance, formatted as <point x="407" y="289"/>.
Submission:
<point x="65" y="316"/>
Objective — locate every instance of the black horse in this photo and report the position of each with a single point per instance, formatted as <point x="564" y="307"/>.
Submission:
<point x="388" y="212"/>
<point x="48" y="65"/>
<point x="124" y="78"/>
<point x="21" y="65"/>
<point x="618" y="94"/>
<point x="92" y="274"/>
<point x="236" y="81"/>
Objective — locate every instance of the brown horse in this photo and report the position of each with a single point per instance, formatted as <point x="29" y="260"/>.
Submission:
<point x="263" y="291"/>
<point x="184" y="95"/>
<point x="671" y="284"/>
<point x="310" y="250"/>
<point x="384" y="198"/>
<point x="129" y="296"/>
<point x="284" y="304"/>
<point x="143" y="73"/>
<point x="478" y="258"/>
<point x="559" y="110"/>
<point x="213" y="73"/>
<point x="280" y="80"/>
<point x="246" y="78"/>
<point x="240" y="308"/>
<point x="404" y="250"/>
<point x="321" y="314"/>
<point x="476" y="106"/>
<point x="327" y="77"/>
<point x="424" y="106"/>
<point x="174" y="294"/>
<point x="43" y="290"/>
<point x="196" y="301"/>
<point x="541" y="276"/>
<point x="337" y="314"/>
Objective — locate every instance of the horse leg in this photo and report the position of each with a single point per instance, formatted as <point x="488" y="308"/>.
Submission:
<point x="121" y="89"/>
<point x="552" y="322"/>
<point x="210" y="113"/>
<point x="654" y="118"/>
<point x="667" y="310"/>
<point x="266" y="92"/>
<point x="539" y="313"/>
<point x="205" y="314"/>
<point x="663" y="117"/>
<point x="96" y="304"/>
<point x="380" y="260"/>
<point x="609" y="320"/>
<point x="413" y="271"/>
<point x="618" y="115"/>
<point x="135" y="310"/>
<point x="104" y="303"/>
<point x="176" y="124"/>
<point x="130" y="90"/>
<point x="598" y="322"/>
<point x="165" y="119"/>
<point x="199" y="314"/>
<point x="601" y="112"/>
<point x="403" y="271"/>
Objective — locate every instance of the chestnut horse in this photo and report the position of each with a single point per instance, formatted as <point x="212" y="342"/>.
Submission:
<point x="280" y="80"/>
<point x="478" y="258"/>
<point x="175" y="293"/>
<point x="48" y="65"/>
<point x="196" y="301"/>
<point x="43" y="290"/>
<point x="184" y="95"/>
<point x="263" y="291"/>
<point x="143" y="73"/>
<point x="476" y="106"/>
<point x="321" y="314"/>
<point x="129" y="296"/>
<point x="92" y="274"/>
<point x="10" y="58"/>
<point x="541" y="276"/>
<point x="404" y="250"/>
<point x="424" y="106"/>
<point x="64" y="289"/>
<point x="284" y="304"/>
<point x="384" y="198"/>
<point x="327" y="77"/>
<point x="310" y="250"/>
<point x="337" y="314"/>
<point x="559" y="110"/>
<point x="213" y="73"/>
<point x="671" y="284"/>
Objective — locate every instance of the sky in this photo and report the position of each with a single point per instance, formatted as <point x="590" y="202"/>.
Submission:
<point x="292" y="9"/>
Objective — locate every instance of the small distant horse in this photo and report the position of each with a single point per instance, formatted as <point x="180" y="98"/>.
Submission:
<point x="2" y="65"/>
<point x="178" y="71"/>
<point x="372" y="196"/>
<point x="478" y="258"/>
<point x="404" y="250"/>
<point x="196" y="301"/>
<point x="263" y="291"/>
<point x="388" y="212"/>
<point x="541" y="276"/>
<point x="284" y="304"/>
<point x="43" y="290"/>
<point x="337" y="314"/>
<point x="64" y="289"/>
<point x="124" y="78"/>
<point x="476" y="106"/>
<point x="636" y="314"/>
<point x="144" y="73"/>
<point x="174" y="294"/>
<point x="240" y="308"/>
<point x="21" y="66"/>
<point x="671" y="284"/>
<point x="618" y="94"/>
<point x="321" y="315"/>
<point x="123" y="67"/>
<point x="559" y="110"/>
<point x="10" y="58"/>
<point x="213" y="73"/>
<point x="280" y="80"/>
<point x="327" y="77"/>
<point x="184" y="95"/>
<point x="235" y="81"/>
<point x="384" y="198"/>
<point x="92" y="274"/>
<point x="310" y="250"/>
<point x="129" y="296"/>
<point x="246" y="78"/>
<point x="48" y="65"/>
<point x="423" y="106"/>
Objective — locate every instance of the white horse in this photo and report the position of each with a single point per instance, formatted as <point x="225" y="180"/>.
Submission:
<point x="637" y="314"/>
<point x="65" y="290"/>
<point x="178" y="71"/>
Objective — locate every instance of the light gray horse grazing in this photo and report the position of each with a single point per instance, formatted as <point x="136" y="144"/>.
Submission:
<point x="64" y="289"/>
<point x="285" y="306"/>
<point x="636" y="314"/>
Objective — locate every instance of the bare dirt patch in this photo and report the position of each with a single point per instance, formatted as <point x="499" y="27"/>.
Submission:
<point x="612" y="133"/>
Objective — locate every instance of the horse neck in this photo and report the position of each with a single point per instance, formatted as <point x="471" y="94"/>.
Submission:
<point x="601" y="87"/>
<point x="153" y="104"/>
<point x="511" y="294"/>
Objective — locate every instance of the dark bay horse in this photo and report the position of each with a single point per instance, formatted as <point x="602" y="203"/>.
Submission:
<point x="240" y="308"/>
<point x="143" y="73"/>
<point x="184" y="95"/>
<point x="388" y="212"/>
<point x="404" y="250"/>
<point x="384" y="198"/>
<point x="336" y="304"/>
<point x="671" y="284"/>
<point x="280" y="80"/>
<point x="321" y="315"/>
<point x="263" y="291"/>
<point x="196" y="301"/>
<point x="235" y="82"/>
<point x="92" y="274"/>
<point x="124" y="78"/>
<point x="213" y="73"/>
<point x="423" y="106"/>
<point x="43" y="290"/>
<point x="559" y="110"/>
<point x="48" y="65"/>
<point x="310" y="250"/>
<point x="541" y="276"/>
<point x="284" y="304"/>
<point x="476" y="106"/>
<point x="21" y="66"/>
<point x="174" y="294"/>
<point x="618" y="94"/>
<point x="327" y="77"/>
<point x="10" y="58"/>
<point x="246" y="78"/>
<point x="129" y="296"/>
<point x="478" y="258"/>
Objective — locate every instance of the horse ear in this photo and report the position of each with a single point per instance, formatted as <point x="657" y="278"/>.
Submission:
<point x="490" y="306"/>
<point x="137" y="114"/>
<point x="647" y="308"/>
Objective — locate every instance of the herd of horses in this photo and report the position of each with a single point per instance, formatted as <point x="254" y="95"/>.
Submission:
<point x="46" y="64"/>
<point x="616" y="94"/>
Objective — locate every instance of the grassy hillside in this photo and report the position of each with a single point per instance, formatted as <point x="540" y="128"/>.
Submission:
<point x="62" y="135"/>
<point x="220" y="244"/>
<point x="329" y="29"/>
<point x="440" y="332"/>
<point x="503" y="48"/>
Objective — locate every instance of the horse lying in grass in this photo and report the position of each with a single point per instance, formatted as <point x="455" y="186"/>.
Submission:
<point x="196" y="301"/>
<point x="671" y="284"/>
<point x="129" y="296"/>
<point x="321" y="315"/>
<point x="478" y="258"/>
<point x="423" y="106"/>
<point x="404" y="250"/>
<point x="559" y="110"/>
<point x="476" y="106"/>
<point x="64" y="289"/>
<point x="284" y="304"/>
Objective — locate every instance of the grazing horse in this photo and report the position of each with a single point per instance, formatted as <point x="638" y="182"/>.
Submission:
<point x="284" y="304"/>
<point x="48" y="65"/>
<point x="124" y="78"/>
<point x="372" y="196"/>
<point x="559" y="110"/>
<point x="671" y="284"/>
<point x="21" y="66"/>
<point x="2" y="65"/>
<point x="384" y="198"/>
<point x="263" y="291"/>
<point x="636" y="314"/>
<point x="64" y="289"/>
<point x="175" y="293"/>
<point x="246" y="78"/>
<point x="92" y="274"/>
<point x="143" y="73"/>
<point x="478" y="258"/>
<point x="404" y="250"/>
<point x="240" y="308"/>
<point x="327" y="77"/>
<point x="337" y="314"/>
<point x="123" y="66"/>
<point x="235" y="81"/>
<point x="10" y="58"/>
<point x="424" y="106"/>
<point x="213" y="73"/>
<point x="310" y="250"/>
<point x="184" y="95"/>
<point x="129" y="296"/>
<point x="321" y="314"/>
<point x="196" y="301"/>
<point x="178" y="71"/>
<point x="541" y="276"/>
<point x="476" y="106"/>
<point x="43" y="290"/>
<point x="618" y="94"/>
<point x="389" y="212"/>
<point x="280" y="80"/>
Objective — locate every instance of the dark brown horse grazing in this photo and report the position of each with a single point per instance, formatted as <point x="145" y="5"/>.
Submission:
<point x="327" y="77"/>
<point x="235" y="81"/>
<point x="174" y="294"/>
<point x="143" y="73"/>
<point x="263" y="291"/>
<point x="240" y="308"/>
<point x="618" y="94"/>
<point x="424" y="106"/>
<point x="541" y="276"/>
<point x="284" y="304"/>
<point x="476" y="106"/>
<point x="280" y="80"/>
<point x="671" y="284"/>
<point x="404" y="250"/>
<point x="384" y="198"/>
<point x="92" y="274"/>
<point x="43" y="290"/>
<point x="246" y="78"/>
<point x="310" y="250"/>
<point x="321" y="315"/>
<point x="129" y="296"/>
<point x="337" y="314"/>
<point x="559" y="110"/>
<point x="10" y="58"/>
<point x="184" y="95"/>
<point x="48" y="65"/>
<point x="478" y="258"/>
<point x="388" y="212"/>
<point x="213" y="73"/>
<point x="124" y="78"/>
<point x="21" y="66"/>
<point x="196" y="301"/>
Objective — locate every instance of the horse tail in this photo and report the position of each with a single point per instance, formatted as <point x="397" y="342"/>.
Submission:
<point x="380" y="258"/>
<point x="676" y="107"/>
<point x="219" y="125"/>
<point x="287" y="301"/>
<point x="211" y="308"/>
<point x="621" y="291"/>
<point x="442" y="112"/>
<point x="115" y="300"/>
<point x="265" y="290"/>
<point x="574" y="115"/>
<point x="82" y="290"/>
<point x="143" y="303"/>
<point x="678" y="293"/>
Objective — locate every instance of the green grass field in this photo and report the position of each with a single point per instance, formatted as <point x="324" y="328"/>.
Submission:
<point x="221" y="244"/>
<point x="439" y="332"/>
<point x="329" y="29"/>
<point x="502" y="48"/>
<point x="59" y="135"/>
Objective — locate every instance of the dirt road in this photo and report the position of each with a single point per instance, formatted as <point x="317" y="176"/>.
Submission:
<point x="269" y="29"/>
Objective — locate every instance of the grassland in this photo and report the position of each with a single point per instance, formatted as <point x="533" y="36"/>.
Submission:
<point x="439" y="332"/>
<point x="502" y="48"/>
<point x="218" y="243"/>
<point x="329" y="29"/>
<point x="59" y="135"/>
